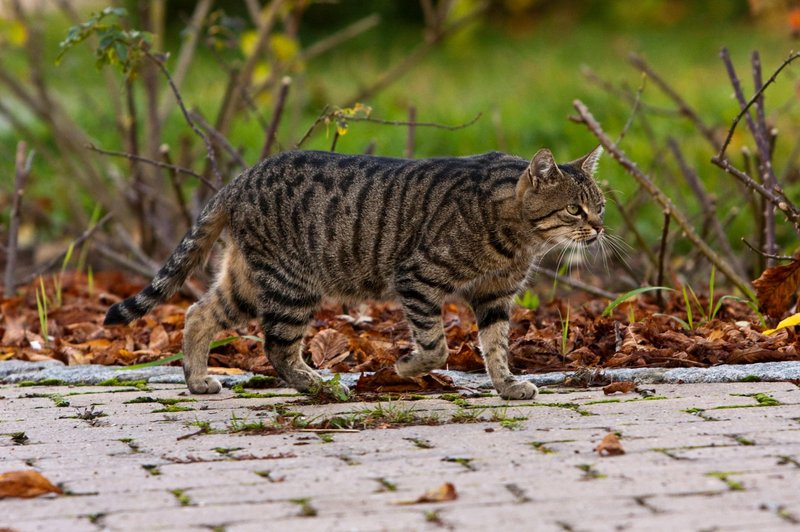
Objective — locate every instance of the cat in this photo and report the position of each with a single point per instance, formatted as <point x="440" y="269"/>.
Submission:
<point x="305" y="225"/>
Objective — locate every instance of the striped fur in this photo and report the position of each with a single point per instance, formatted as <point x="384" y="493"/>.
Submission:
<point x="306" y="225"/>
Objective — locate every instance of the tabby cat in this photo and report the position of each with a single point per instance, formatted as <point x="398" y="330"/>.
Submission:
<point x="306" y="224"/>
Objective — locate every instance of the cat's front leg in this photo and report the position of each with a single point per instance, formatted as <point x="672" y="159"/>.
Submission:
<point x="493" y="335"/>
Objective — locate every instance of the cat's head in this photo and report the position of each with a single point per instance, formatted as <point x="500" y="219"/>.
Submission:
<point x="562" y="202"/>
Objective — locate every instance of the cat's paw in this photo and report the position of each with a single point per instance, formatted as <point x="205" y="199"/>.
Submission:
<point x="206" y="385"/>
<point x="408" y="366"/>
<point x="519" y="390"/>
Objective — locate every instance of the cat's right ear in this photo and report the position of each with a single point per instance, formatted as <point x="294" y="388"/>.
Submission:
<point x="542" y="168"/>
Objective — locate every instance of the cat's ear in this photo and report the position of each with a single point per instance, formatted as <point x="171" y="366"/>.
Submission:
<point x="588" y="163"/>
<point x="543" y="168"/>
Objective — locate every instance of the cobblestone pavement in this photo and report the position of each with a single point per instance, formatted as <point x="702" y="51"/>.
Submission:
<point x="697" y="457"/>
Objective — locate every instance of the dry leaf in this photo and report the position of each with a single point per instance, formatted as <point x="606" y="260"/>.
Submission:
<point x="25" y="484"/>
<point x="609" y="446"/>
<point x="776" y="287"/>
<point x="326" y="345"/>
<point x="621" y="387"/>
<point x="445" y="492"/>
<point x="387" y="380"/>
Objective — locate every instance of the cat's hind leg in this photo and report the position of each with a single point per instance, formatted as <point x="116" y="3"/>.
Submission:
<point x="422" y="305"/>
<point x="284" y="313"/>
<point x="228" y="304"/>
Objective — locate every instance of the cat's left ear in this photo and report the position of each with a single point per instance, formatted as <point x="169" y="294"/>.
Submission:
<point x="588" y="163"/>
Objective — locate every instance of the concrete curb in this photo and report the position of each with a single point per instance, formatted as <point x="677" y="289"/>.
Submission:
<point x="16" y="371"/>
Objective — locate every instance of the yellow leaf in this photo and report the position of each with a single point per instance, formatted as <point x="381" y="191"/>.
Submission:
<point x="283" y="47"/>
<point x="341" y="128"/>
<point x="261" y="72"/>
<point x="6" y="356"/>
<point x="247" y="42"/>
<point x="791" y="321"/>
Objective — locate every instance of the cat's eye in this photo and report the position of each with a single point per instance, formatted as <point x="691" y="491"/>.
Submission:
<point x="573" y="209"/>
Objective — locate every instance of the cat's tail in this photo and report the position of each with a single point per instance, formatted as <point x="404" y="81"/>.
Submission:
<point x="189" y="255"/>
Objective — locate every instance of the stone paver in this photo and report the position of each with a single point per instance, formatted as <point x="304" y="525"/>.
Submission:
<point x="698" y="457"/>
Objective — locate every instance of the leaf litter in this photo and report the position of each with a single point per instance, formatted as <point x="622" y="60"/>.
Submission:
<point x="371" y="337"/>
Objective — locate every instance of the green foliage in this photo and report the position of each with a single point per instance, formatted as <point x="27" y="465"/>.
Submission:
<point x="528" y="300"/>
<point x="115" y="45"/>
<point x="628" y="295"/>
<point x="41" y="310"/>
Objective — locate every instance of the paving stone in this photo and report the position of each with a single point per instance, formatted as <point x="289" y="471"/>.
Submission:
<point x="681" y="470"/>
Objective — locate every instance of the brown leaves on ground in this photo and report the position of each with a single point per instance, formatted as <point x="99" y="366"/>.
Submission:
<point x="370" y="337"/>
<point x="776" y="287"/>
<point x="25" y="484"/>
<point x="610" y="445"/>
<point x="445" y="492"/>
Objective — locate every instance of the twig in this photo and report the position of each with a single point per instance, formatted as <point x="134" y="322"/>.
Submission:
<point x="766" y="255"/>
<point x="58" y="259"/>
<point x="139" y="158"/>
<point x="630" y="224"/>
<point x="765" y="146"/>
<point x="661" y="198"/>
<point x="752" y="100"/>
<point x="662" y="257"/>
<point x="759" y="135"/>
<point x="124" y="262"/>
<point x="23" y="169"/>
<point x="277" y="113"/>
<point x="209" y="148"/>
<point x="636" y="103"/>
<point x="176" y="187"/>
<point x="345" y="34"/>
<point x="220" y="138"/>
<point x="683" y="107"/>
<point x="435" y="35"/>
<point x="410" y="123"/>
<point x="192" y="33"/>
<point x="705" y="202"/>
<point x="412" y="118"/>
<point x="574" y="283"/>
<point x="778" y="199"/>
<point x="320" y="118"/>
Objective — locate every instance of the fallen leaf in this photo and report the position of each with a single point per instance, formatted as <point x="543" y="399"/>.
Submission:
<point x="387" y="380"/>
<point x="327" y="345"/>
<point x="791" y="321"/>
<point x="776" y="287"/>
<point x="224" y="371"/>
<point x="620" y="386"/>
<point x="445" y="492"/>
<point x="25" y="484"/>
<point x="609" y="446"/>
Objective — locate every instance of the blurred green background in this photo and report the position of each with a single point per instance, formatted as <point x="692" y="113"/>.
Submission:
<point x="519" y="63"/>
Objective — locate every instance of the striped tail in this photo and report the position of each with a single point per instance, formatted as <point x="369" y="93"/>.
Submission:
<point x="189" y="255"/>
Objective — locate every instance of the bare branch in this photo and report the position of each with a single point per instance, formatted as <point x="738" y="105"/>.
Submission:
<point x="574" y="283"/>
<point x="752" y="100"/>
<point x="220" y="138"/>
<point x="661" y="198"/>
<point x="58" y="259"/>
<point x="160" y="164"/>
<point x="23" y="169"/>
<point x="186" y="53"/>
<point x="277" y="113"/>
<point x="209" y="148"/>
<point x="761" y="253"/>
<point x="345" y="34"/>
